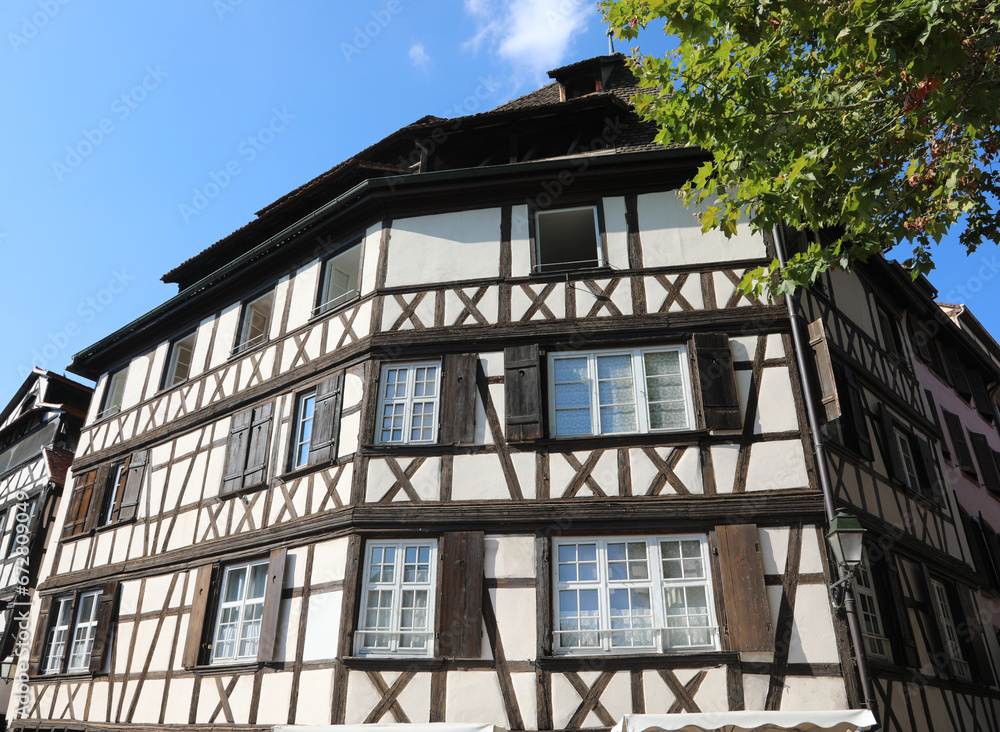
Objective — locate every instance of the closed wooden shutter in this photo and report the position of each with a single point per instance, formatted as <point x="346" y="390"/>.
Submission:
<point x="891" y="455"/>
<point x="40" y="640"/>
<point x="133" y="485"/>
<point x="326" y="420"/>
<point x="236" y="451"/>
<point x="975" y="638"/>
<point x="272" y="606"/>
<point x="97" y="498"/>
<point x="748" y="614"/>
<point x="824" y="370"/>
<point x="981" y="397"/>
<point x="199" y="631"/>
<point x="523" y="387"/>
<point x="987" y="466"/>
<point x="458" y="394"/>
<point x="712" y="372"/>
<point x="107" y="613"/>
<point x="963" y="458"/>
<point x="896" y="615"/>
<point x="460" y="607"/>
<point x="956" y="372"/>
<point x="79" y="505"/>
<point x="260" y="438"/>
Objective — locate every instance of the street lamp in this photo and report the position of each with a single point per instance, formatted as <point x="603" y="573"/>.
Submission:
<point x="846" y="541"/>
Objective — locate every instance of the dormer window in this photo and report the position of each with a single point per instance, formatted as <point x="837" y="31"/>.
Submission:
<point x="580" y="86"/>
<point x="114" y="393"/>
<point x="567" y="238"/>
<point x="255" y="323"/>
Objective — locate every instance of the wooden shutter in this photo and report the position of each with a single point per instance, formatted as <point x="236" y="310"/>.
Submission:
<point x="896" y="615"/>
<point x="932" y="478"/>
<point x="712" y="370"/>
<point x="937" y="621"/>
<point x="748" y="614"/>
<point x="921" y="341"/>
<point x="260" y="434"/>
<point x="272" y="605"/>
<point x="824" y="370"/>
<point x="981" y="397"/>
<point x="107" y="613"/>
<point x="893" y="459"/>
<point x="523" y="387"/>
<point x="326" y="420"/>
<point x="956" y="372"/>
<point x="97" y="498"/>
<point x="460" y="604"/>
<point x="963" y="458"/>
<point x="199" y="631"/>
<point x="79" y="505"/>
<point x="458" y="394"/>
<point x="987" y="466"/>
<point x="40" y="640"/>
<point x="236" y="452"/>
<point x="861" y="439"/>
<point x="133" y="485"/>
<point x="974" y="636"/>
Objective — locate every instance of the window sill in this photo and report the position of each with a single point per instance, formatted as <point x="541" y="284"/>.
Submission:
<point x="621" y="661"/>
<point x="104" y="416"/>
<point x="67" y="676"/>
<point x="339" y="307"/>
<point x="392" y="662"/>
<point x="304" y="470"/>
<point x="246" y="490"/>
<point x="167" y="389"/>
<point x="225" y="669"/>
<point x="576" y="273"/>
<point x="234" y="355"/>
<point x="689" y="436"/>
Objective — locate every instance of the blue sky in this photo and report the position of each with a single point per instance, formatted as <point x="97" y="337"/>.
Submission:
<point x="119" y="119"/>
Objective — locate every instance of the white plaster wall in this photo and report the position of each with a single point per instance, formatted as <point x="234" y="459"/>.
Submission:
<point x="776" y="406"/>
<point x="369" y="258"/>
<point x="201" y="355"/>
<point x="225" y="335"/>
<point x="323" y="626"/>
<point x="509" y="556"/>
<point x="304" y="294"/>
<point x="777" y="466"/>
<point x="474" y="696"/>
<point x="616" y="232"/>
<point x="520" y="245"/>
<point x="803" y="693"/>
<point x="158" y="360"/>
<point x="444" y="247"/>
<point x="137" y="370"/>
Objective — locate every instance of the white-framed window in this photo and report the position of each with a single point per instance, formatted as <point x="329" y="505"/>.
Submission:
<point x="906" y="455"/>
<point x="55" y="650"/>
<point x="952" y="645"/>
<point x="397" y="605"/>
<point x="876" y="642"/>
<point x="627" y="594"/>
<point x="84" y="631"/>
<point x="567" y="238"/>
<point x="241" y="608"/>
<point x="339" y="281"/>
<point x="113" y="492"/>
<point x="620" y="392"/>
<point x="114" y="393"/>
<point x="304" y="412"/>
<point x="255" y="322"/>
<point x="179" y="361"/>
<point x="408" y="403"/>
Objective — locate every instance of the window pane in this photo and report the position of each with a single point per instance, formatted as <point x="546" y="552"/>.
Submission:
<point x="665" y="390"/>
<point x="631" y="614"/>
<point x="303" y="439"/>
<point x="566" y="239"/>
<point x="572" y="396"/>
<point x="340" y="278"/>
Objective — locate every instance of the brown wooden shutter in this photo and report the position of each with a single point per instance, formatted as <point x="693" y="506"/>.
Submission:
<point x="748" y="615"/>
<point x="76" y="516"/>
<point x="523" y="387"/>
<point x="97" y="498"/>
<point x="857" y="426"/>
<point x="236" y="451"/>
<point x="133" y="485"/>
<point x="272" y="606"/>
<point x="41" y="638"/>
<point x="931" y="476"/>
<point x="956" y="372"/>
<point x="987" y="466"/>
<point x="260" y="435"/>
<point x="326" y="420"/>
<point x="199" y="631"/>
<point x="824" y="370"/>
<point x="981" y="397"/>
<point x="460" y="616"/>
<point x="106" y="615"/>
<point x="712" y="370"/>
<point x="921" y="341"/>
<point x="896" y="615"/>
<point x="963" y="458"/>
<point x="973" y="635"/>
<point x="938" y="632"/>
<point x="458" y="394"/>
<point x="891" y="455"/>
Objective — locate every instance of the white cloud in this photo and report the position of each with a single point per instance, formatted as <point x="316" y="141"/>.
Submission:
<point x="533" y="35"/>
<point x="419" y="57"/>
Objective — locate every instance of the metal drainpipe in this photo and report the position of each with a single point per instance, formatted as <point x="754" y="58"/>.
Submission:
<point x="853" y="622"/>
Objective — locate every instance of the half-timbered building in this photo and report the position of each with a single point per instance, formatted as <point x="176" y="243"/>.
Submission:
<point x="477" y="427"/>
<point x="39" y="429"/>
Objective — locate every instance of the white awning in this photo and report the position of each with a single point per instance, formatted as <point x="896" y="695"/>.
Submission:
<point x="388" y="727"/>
<point x="847" y="720"/>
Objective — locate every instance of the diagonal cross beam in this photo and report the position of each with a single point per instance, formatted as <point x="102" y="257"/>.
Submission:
<point x="591" y="697"/>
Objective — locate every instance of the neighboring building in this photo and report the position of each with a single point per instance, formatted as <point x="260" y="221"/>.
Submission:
<point x="39" y="430"/>
<point x="476" y="427"/>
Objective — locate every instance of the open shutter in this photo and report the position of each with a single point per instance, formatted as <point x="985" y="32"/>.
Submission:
<point x="893" y="459"/>
<point x="79" y="505"/>
<point x="975" y="637"/>
<point x="931" y="476"/>
<point x="106" y="615"/>
<point x="748" y="615"/>
<point x="97" y="498"/>
<point x="133" y="485"/>
<point x="199" y="632"/>
<point x="41" y="637"/>
<point x="458" y="392"/>
<point x="824" y="370"/>
<point x="895" y="611"/>
<point x="236" y="452"/>
<point x="963" y="458"/>
<point x="956" y="372"/>
<point x="977" y="547"/>
<point x="856" y="429"/>
<point x="260" y="438"/>
<point x="984" y="404"/>
<point x="460" y="615"/>
<point x="326" y="420"/>
<point x="712" y="370"/>
<point x="938" y="630"/>
<point x="272" y="605"/>
<point x="523" y="387"/>
<point x="987" y="466"/>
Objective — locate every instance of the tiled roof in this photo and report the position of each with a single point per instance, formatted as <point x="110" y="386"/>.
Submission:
<point x="58" y="462"/>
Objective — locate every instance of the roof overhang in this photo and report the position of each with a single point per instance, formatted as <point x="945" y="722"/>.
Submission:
<point x="841" y="720"/>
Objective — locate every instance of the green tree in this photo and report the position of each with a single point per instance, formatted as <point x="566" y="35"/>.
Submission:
<point x="879" y="119"/>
